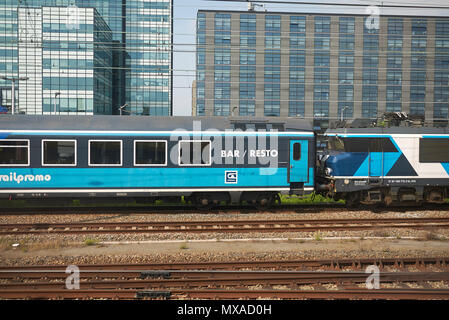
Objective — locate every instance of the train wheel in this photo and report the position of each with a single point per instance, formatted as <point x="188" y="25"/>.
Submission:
<point x="353" y="200"/>
<point x="203" y="202"/>
<point x="264" y="201"/>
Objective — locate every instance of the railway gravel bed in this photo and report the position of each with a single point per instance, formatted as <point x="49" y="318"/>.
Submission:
<point x="225" y="226"/>
<point x="311" y="213"/>
<point x="238" y="280"/>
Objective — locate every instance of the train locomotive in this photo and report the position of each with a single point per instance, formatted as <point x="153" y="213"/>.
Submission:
<point x="205" y="160"/>
<point x="394" y="165"/>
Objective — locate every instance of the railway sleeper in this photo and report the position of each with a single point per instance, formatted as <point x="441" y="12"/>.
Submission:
<point x="155" y="274"/>
<point x="153" y="294"/>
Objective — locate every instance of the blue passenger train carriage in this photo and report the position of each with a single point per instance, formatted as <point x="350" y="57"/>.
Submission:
<point x="386" y="165"/>
<point x="206" y="160"/>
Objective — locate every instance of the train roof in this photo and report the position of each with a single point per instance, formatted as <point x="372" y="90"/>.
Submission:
<point x="390" y="130"/>
<point x="141" y="123"/>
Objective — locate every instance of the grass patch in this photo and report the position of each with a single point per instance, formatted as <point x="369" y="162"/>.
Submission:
<point x="309" y="199"/>
<point x="184" y="246"/>
<point x="318" y="236"/>
<point x="91" y="242"/>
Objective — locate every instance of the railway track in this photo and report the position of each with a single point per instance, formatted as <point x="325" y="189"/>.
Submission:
<point x="333" y="264"/>
<point x="234" y="226"/>
<point x="165" y="209"/>
<point x="182" y="209"/>
<point x="140" y="282"/>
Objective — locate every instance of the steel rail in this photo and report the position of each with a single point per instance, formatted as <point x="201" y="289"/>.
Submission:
<point x="358" y="263"/>
<point x="416" y="294"/>
<point x="191" y="280"/>
<point x="224" y="226"/>
<point x="183" y="208"/>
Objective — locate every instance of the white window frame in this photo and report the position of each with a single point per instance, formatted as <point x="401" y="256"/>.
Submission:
<point x="194" y="165"/>
<point x="59" y="165"/>
<point x="150" y="165"/>
<point x="17" y="140"/>
<point x="105" y="165"/>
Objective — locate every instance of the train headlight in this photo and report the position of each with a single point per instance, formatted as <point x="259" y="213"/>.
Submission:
<point x="328" y="172"/>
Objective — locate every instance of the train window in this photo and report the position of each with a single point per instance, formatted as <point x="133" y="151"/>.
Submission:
<point x="357" y="144"/>
<point x="59" y="152"/>
<point x="150" y="153"/>
<point x="297" y="151"/>
<point x="14" y="153"/>
<point x="433" y="150"/>
<point x="105" y="152"/>
<point x="194" y="153"/>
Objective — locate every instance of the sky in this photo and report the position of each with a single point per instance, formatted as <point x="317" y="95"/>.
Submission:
<point x="184" y="28"/>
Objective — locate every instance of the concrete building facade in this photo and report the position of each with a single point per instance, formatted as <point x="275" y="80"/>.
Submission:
<point x="321" y="66"/>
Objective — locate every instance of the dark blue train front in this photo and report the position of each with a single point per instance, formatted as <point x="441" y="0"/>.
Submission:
<point x="206" y="160"/>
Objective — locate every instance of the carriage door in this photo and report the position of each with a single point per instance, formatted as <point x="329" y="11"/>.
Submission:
<point x="375" y="157"/>
<point x="299" y="158"/>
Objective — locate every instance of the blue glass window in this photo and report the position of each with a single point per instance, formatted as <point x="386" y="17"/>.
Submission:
<point x="297" y="24"/>
<point x="297" y="41"/>
<point x="248" y="56"/>
<point x="395" y="26"/>
<point x="394" y="77"/>
<point x="248" y="22"/>
<point x="221" y="107"/>
<point x="297" y="75"/>
<point x="321" y="92"/>
<point x="417" y="108"/>
<point x="297" y="92"/>
<point x="272" y="57"/>
<point x="272" y="23"/>
<point x="247" y="90"/>
<point x="347" y="24"/>
<point x="347" y="42"/>
<point x="321" y="109"/>
<point x="418" y="78"/>
<point x="322" y="24"/>
<point x="273" y="40"/>
<point x="296" y="109"/>
<point x="222" y="90"/>
<point x="272" y="74"/>
<point x="247" y="39"/>
<point x="369" y="110"/>
<point x="247" y="74"/>
<point x="247" y="108"/>
<point x="222" y="21"/>
<point x="419" y="27"/>
<point x="369" y="93"/>
<point x="272" y="109"/>
<point x="272" y="91"/>
<point x="417" y="93"/>
<point x="297" y="58"/>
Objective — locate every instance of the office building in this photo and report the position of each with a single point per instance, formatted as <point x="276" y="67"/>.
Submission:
<point x="87" y="56"/>
<point x="321" y="66"/>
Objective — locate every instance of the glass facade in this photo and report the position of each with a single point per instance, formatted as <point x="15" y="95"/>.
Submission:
<point x="87" y="57"/>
